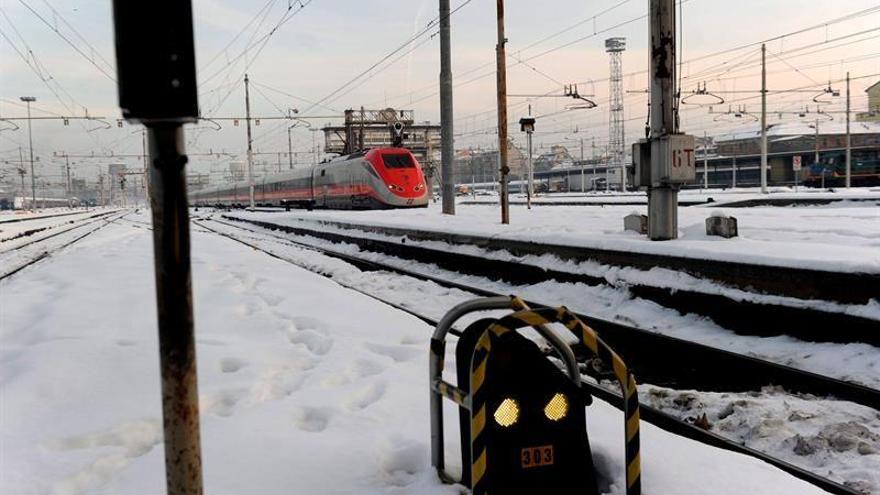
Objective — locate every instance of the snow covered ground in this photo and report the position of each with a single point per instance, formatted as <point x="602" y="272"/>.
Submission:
<point x="841" y="238"/>
<point x="305" y="387"/>
<point x="715" y="195"/>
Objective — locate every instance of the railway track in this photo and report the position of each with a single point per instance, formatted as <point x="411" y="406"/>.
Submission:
<point x="11" y="266"/>
<point x="655" y="359"/>
<point x="745" y="317"/>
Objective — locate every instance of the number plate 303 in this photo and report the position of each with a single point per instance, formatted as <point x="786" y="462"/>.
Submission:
<point x="536" y="456"/>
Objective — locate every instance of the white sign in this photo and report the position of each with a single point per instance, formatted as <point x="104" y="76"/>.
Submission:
<point x="677" y="159"/>
<point x="796" y="163"/>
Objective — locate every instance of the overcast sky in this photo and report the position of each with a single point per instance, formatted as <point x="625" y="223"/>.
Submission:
<point x="328" y="42"/>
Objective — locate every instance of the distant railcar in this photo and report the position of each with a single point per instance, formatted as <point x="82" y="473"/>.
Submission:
<point x="374" y="179"/>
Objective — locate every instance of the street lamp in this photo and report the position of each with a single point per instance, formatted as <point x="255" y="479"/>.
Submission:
<point x="28" y="100"/>
<point x="527" y="125"/>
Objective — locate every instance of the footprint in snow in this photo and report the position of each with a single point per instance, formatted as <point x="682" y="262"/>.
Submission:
<point x="135" y="439"/>
<point x="402" y="460"/>
<point x="222" y="403"/>
<point x="312" y="419"/>
<point x="367" y="396"/>
<point x="397" y="353"/>
<point x="232" y="364"/>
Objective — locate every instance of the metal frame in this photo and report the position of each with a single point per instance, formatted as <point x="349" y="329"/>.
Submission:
<point x="441" y="388"/>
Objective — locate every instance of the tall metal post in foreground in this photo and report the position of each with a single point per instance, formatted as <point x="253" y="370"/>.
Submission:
<point x="616" y="137"/>
<point x="250" y="150"/>
<point x="501" y="80"/>
<point x="763" y="119"/>
<point x="28" y="100"/>
<point x="848" y="138"/>
<point x="662" y="197"/>
<point x="155" y="61"/>
<point x="447" y="150"/>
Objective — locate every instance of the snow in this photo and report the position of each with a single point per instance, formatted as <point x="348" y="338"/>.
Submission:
<point x="850" y="362"/>
<point x="305" y="387"/>
<point x="831" y="239"/>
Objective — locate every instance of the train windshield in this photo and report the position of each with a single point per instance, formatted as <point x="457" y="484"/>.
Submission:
<point x="398" y="161"/>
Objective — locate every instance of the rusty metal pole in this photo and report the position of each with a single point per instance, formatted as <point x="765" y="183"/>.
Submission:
<point x="156" y="69"/>
<point x="177" y="350"/>
<point x="501" y="79"/>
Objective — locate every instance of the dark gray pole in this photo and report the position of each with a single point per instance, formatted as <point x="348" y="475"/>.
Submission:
<point x="848" y="138"/>
<point x="662" y="199"/>
<point x="764" y="119"/>
<point x="177" y="350"/>
<point x="28" y="100"/>
<point x="447" y="150"/>
<point x="250" y="149"/>
<point x="290" y="148"/>
<point x="501" y="80"/>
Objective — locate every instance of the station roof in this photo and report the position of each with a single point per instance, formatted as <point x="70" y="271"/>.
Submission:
<point x="793" y="129"/>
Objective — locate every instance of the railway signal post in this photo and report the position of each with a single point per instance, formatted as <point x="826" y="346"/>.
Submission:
<point x="157" y="88"/>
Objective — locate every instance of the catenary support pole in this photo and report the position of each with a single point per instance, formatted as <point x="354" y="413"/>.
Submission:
<point x="705" y="160"/>
<point x="28" y="100"/>
<point x="764" y="119"/>
<point x="290" y="148"/>
<point x="663" y="199"/>
<point x="848" y="138"/>
<point x="447" y="150"/>
<point x="501" y="80"/>
<point x="250" y="148"/>
<point x="177" y="352"/>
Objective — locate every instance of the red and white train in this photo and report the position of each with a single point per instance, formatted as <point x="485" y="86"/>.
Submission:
<point x="374" y="179"/>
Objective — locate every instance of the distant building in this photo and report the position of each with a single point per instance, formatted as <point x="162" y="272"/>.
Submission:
<point x="873" y="113"/>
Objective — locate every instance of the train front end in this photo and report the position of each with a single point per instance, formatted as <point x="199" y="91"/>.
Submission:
<point x="402" y="177"/>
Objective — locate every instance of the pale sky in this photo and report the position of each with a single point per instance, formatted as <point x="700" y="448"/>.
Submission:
<point x="329" y="42"/>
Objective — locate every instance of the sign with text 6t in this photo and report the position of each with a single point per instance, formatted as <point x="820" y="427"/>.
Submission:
<point x="675" y="159"/>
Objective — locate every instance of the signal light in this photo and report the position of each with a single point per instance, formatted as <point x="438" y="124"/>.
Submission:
<point x="507" y="413"/>
<point x="557" y="408"/>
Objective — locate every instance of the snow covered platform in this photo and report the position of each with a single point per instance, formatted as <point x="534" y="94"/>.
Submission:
<point x="305" y="387"/>
<point x="728" y="197"/>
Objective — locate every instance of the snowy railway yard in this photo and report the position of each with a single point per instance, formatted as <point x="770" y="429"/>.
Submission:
<point x="313" y="350"/>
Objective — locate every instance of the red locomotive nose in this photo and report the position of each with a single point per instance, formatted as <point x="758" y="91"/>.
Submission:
<point x="400" y="172"/>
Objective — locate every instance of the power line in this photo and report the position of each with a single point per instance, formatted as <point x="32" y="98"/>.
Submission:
<point x="67" y="40"/>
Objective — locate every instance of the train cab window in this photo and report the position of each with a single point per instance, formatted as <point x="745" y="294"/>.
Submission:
<point x="323" y="173"/>
<point x="398" y="161"/>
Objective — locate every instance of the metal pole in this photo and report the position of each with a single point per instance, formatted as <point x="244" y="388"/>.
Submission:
<point x="28" y="101"/>
<point x="848" y="138"/>
<point x="817" y="142"/>
<point x="530" y="190"/>
<point x="583" y="175"/>
<point x="764" y="119"/>
<point x="447" y="149"/>
<point x="663" y="199"/>
<point x="290" y="148"/>
<point x="705" y="161"/>
<point x="501" y="80"/>
<point x="733" y="167"/>
<point x="177" y="350"/>
<point x="250" y="149"/>
<point x="67" y="164"/>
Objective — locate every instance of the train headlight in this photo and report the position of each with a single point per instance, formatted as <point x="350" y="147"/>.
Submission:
<point x="391" y="186"/>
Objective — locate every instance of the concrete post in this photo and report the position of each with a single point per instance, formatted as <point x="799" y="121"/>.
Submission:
<point x="663" y="199"/>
